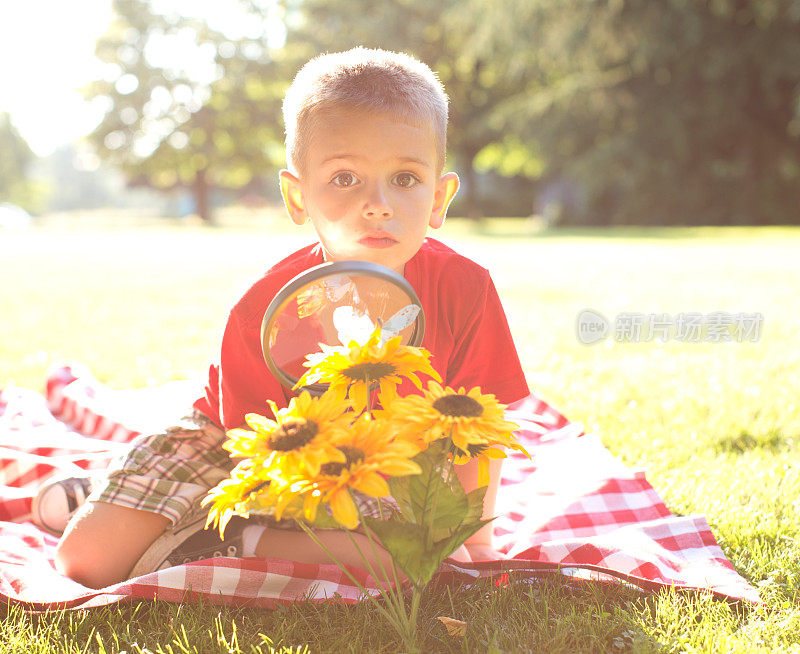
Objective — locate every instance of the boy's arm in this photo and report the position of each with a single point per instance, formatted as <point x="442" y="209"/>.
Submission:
<point x="485" y="356"/>
<point x="479" y="545"/>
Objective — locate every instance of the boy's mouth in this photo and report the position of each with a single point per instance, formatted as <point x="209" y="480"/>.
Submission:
<point x="377" y="240"/>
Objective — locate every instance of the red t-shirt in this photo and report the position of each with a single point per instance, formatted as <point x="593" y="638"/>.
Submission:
<point x="466" y="332"/>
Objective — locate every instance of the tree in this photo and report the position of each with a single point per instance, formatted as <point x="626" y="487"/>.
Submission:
<point x="208" y="121"/>
<point x="679" y="111"/>
<point x="14" y="163"/>
<point x="682" y="111"/>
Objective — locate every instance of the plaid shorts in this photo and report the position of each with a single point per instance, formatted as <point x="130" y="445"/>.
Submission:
<point x="170" y="472"/>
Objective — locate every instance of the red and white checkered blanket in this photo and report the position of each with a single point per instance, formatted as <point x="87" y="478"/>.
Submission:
<point x="572" y="509"/>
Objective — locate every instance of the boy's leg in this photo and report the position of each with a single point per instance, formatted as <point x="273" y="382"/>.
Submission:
<point x="298" y="546"/>
<point x="349" y="549"/>
<point x="104" y="541"/>
<point x="153" y="487"/>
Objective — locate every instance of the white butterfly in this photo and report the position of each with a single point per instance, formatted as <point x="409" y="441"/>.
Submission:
<point x="313" y="297"/>
<point x="354" y="325"/>
<point x="337" y="287"/>
<point x="399" y="321"/>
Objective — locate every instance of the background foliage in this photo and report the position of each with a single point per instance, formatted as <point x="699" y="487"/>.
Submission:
<point x="16" y="158"/>
<point x="582" y="111"/>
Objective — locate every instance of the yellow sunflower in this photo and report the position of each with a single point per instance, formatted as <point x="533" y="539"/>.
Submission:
<point x="370" y="454"/>
<point x="233" y="496"/>
<point x="474" y="423"/>
<point x="303" y="435"/>
<point x="355" y="370"/>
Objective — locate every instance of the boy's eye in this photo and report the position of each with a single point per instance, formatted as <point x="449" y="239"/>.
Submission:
<point x="344" y="179"/>
<point x="406" y="180"/>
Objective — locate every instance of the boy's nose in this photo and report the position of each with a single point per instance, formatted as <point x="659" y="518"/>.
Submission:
<point x="376" y="205"/>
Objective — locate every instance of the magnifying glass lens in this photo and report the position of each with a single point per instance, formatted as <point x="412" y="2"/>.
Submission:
<point x="335" y="304"/>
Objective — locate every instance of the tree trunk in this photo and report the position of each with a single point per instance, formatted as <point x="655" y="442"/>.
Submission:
<point x="200" y="191"/>
<point x="471" y="208"/>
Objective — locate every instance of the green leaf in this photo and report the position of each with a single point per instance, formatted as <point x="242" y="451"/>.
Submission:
<point x="450" y="504"/>
<point x="420" y="496"/>
<point x="475" y="503"/>
<point x="458" y="537"/>
<point x="423" y="487"/>
<point x="405" y="542"/>
<point x="473" y="510"/>
<point x="399" y="487"/>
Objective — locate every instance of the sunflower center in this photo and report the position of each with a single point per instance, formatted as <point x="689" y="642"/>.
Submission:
<point x="351" y="454"/>
<point x="458" y="406"/>
<point x="293" y="434"/>
<point x="369" y="371"/>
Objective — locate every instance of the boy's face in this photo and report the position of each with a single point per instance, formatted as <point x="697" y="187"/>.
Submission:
<point x="370" y="186"/>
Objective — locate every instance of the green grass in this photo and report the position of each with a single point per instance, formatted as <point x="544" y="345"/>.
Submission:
<point x="717" y="426"/>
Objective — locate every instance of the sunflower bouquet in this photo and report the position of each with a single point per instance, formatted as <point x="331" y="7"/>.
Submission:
<point x="322" y="460"/>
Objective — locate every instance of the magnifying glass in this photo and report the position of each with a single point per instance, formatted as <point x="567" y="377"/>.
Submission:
<point x="333" y="304"/>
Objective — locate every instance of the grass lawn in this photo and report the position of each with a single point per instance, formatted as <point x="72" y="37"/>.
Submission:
<point x="717" y="425"/>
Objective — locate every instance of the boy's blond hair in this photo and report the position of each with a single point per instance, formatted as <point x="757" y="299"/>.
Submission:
<point x="367" y="80"/>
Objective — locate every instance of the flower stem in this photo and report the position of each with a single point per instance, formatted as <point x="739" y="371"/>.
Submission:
<point x="432" y="517"/>
<point x="415" y="599"/>
<point x="386" y="614"/>
<point x="452" y="463"/>
<point x="393" y="595"/>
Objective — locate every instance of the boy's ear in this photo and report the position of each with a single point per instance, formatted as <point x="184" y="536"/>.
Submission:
<point x="446" y="189"/>
<point x="293" y="197"/>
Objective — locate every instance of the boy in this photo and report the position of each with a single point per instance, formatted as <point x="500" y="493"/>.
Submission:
<point x="365" y="137"/>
